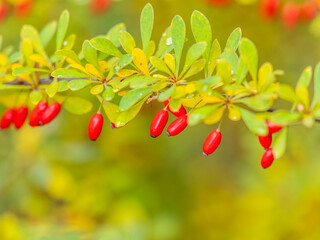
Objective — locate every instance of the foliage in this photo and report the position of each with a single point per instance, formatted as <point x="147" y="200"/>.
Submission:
<point x="208" y="79"/>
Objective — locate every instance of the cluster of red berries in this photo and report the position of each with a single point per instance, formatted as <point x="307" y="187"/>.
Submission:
<point x="291" y="12"/>
<point x="20" y="9"/>
<point x="42" y="114"/>
<point x="160" y="121"/>
<point x="100" y="6"/>
<point x="266" y="141"/>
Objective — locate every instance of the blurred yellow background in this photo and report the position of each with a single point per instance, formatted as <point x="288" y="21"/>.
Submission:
<point x="56" y="184"/>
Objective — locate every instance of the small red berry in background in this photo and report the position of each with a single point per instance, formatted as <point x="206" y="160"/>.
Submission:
<point x="309" y="10"/>
<point x="50" y="113"/>
<point x="100" y="6"/>
<point x="220" y="3"/>
<point x="7" y="118"/>
<point x="180" y="112"/>
<point x="212" y="142"/>
<point x="267" y="158"/>
<point x="158" y="123"/>
<point x="273" y="128"/>
<point x="177" y="126"/>
<point x="20" y="116"/>
<point x="23" y="8"/>
<point x="269" y="8"/>
<point x="265" y="141"/>
<point x="35" y="116"/>
<point x="4" y="9"/>
<point x="290" y="14"/>
<point x="95" y="126"/>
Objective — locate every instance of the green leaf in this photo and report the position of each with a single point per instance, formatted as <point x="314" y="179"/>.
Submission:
<point x="280" y="144"/>
<point x="166" y="94"/>
<point x="178" y="31"/>
<point x="90" y="54"/>
<point x="255" y="125"/>
<point x="285" y="117"/>
<point x="78" y="84"/>
<point x="195" y="68"/>
<point x="69" y="54"/>
<point x="287" y="93"/>
<point x="249" y="55"/>
<point x="214" y="54"/>
<point x="108" y="93"/>
<point x="165" y="43"/>
<point x="231" y="58"/>
<point x="234" y="39"/>
<point x="52" y="89"/>
<point x="151" y="49"/>
<point x="113" y="34"/>
<point x="142" y="81"/>
<point x="14" y="87"/>
<point x="47" y="33"/>
<point x="29" y="32"/>
<point x="303" y="95"/>
<point x="193" y="54"/>
<point x="97" y="89"/>
<point x="62" y="28"/>
<point x="69" y="73"/>
<point x="14" y="57"/>
<point x="242" y="72"/>
<point x="63" y="86"/>
<point x="134" y="96"/>
<point x="265" y="74"/>
<point x="127" y="41"/>
<point x="316" y="96"/>
<point x="198" y="115"/>
<point x="36" y="97"/>
<point x="23" y="70"/>
<point x="106" y="46"/>
<point x="69" y="42"/>
<point x="260" y="102"/>
<point x="224" y="71"/>
<point x="146" y="25"/>
<point x="77" y="105"/>
<point x="124" y="61"/>
<point x="159" y="64"/>
<point x="201" y="30"/>
<point x="305" y="78"/>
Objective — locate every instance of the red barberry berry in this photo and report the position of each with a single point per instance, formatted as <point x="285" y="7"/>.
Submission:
<point x="267" y="158"/>
<point x="95" y="126"/>
<point x="158" y="123"/>
<point x="212" y="142"/>
<point x="177" y="126"/>
<point x="100" y="6"/>
<point x="273" y="128"/>
<point x="23" y="8"/>
<point x="20" y="116"/>
<point x="265" y="141"/>
<point x="180" y="112"/>
<point x="290" y="14"/>
<point x="7" y="118"/>
<point x="50" y="113"/>
<point x="309" y="10"/>
<point x="4" y="9"/>
<point x="35" y="116"/>
<point x="269" y="8"/>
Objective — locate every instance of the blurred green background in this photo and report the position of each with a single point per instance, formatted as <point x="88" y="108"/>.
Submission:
<point x="56" y="184"/>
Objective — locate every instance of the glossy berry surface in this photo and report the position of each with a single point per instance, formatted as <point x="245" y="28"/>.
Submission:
<point x="50" y="113"/>
<point x="265" y="141"/>
<point x="180" y="112"/>
<point x="273" y="128"/>
<point x="158" y="123"/>
<point x="7" y="118"/>
<point x="36" y="113"/>
<point x="267" y="158"/>
<point x="20" y="116"/>
<point x="177" y="126"/>
<point x="212" y="142"/>
<point x="95" y="126"/>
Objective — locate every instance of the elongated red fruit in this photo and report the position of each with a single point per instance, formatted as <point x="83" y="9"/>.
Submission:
<point x="269" y="8"/>
<point x="212" y="142"/>
<point x="309" y="10"/>
<point x="36" y="113"/>
<point x="177" y="126"/>
<point x="290" y="14"/>
<point x="180" y="112"/>
<point x="273" y="128"/>
<point x="267" y="158"/>
<point x="50" y="113"/>
<point x="7" y="118"/>
<point x="158" y="123"/>
<point x="265" y="141"/>
<point x="95" y="126"/>
<point x="20" y="116"/>
<point x="4" y="9"/>
<point x="23" y="8"/>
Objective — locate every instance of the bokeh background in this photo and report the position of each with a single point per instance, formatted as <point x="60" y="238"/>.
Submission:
<point x="56" y="184"/>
